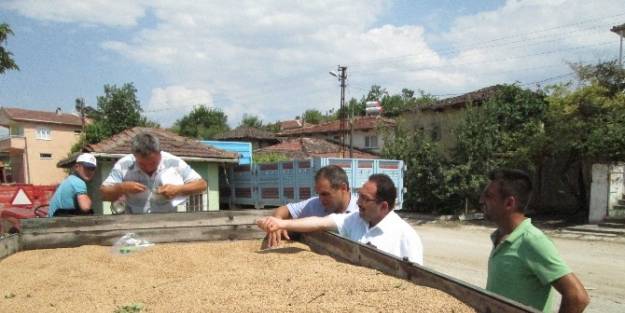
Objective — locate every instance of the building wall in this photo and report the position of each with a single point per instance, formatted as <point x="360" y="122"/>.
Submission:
<point x="35" y="168"/>
<point x="43" y="170"/>
<point x="359" y="138"/>
<point x="438" y="125"/>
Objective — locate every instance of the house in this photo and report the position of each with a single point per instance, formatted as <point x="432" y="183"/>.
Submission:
<point x="304" y="148"/>
<point x="258" y="137"/>
<point x="367" y="134"/>
<point x="440" y="119"/>
<point x="35" y="141"/>
<point x="204" y="159"/>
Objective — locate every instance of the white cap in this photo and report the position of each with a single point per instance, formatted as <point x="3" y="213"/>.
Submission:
<point x="87" y="158"/>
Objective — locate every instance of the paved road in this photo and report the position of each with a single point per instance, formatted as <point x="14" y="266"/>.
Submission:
<point x="462" y="251"/>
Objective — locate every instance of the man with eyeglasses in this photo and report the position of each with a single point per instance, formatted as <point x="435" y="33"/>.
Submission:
<point x="375" y="224"/>
<point x="71" y="198"/>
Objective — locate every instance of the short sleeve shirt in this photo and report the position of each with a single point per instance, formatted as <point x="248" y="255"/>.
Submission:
<point x="170" y="166"/>
<point x="524" y="265"/>
<point x="65" y="196"/>
<point x="313" y="207"/>
<point x="391" y="235"/>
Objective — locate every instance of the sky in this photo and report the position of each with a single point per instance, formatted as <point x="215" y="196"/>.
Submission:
<point x="272" y="58"/>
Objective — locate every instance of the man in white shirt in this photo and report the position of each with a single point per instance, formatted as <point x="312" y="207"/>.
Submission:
<point x="375" y="224"/>
<point x="151" y="180"/>
<point x="332" y="186"/>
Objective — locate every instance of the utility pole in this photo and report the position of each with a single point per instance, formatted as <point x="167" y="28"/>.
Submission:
<point x="80" y="107"/>
<point x="620" y="30"/>
<point x="342" y="77"/>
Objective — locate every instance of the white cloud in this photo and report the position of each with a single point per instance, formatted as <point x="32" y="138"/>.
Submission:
<point x="96" y="12"/>
<point x="179" y="97"/>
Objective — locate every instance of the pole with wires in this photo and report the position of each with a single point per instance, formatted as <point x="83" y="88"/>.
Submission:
<point x="343" y="114"/>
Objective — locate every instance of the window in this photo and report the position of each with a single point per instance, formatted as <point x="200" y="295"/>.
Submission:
<point x="45" y="156"/>
<point x="17" y="130"/>
<point x="371" y="141"/>
<point x="43" y="133"/>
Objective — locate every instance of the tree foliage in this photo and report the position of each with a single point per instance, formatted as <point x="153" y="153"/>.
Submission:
<point x="523" y="129"/>
<point x="6" y="57"/>
<point x="117" y="110"/>
<point x="270" y="157"/>
<point x="253" y="121"/>
<point x="202" y="122"/>
<point x="313" y="116"/>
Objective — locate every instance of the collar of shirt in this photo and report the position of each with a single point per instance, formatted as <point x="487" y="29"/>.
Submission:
<point x="514" y="235"/>
<point x="388" y="223"/>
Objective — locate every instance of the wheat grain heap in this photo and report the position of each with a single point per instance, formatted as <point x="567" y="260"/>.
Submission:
<point x="229" y="276"/>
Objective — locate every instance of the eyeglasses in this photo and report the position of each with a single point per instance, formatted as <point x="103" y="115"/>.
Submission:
<point x="362" y="199"/>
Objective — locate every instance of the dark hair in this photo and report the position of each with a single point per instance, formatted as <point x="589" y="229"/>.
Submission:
<point x="334" y="174"/>
<point x="386" y="190"/>
<point x="145" y="144"/>
<point x="515" y="183"/>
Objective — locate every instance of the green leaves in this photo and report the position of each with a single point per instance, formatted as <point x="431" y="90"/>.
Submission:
<point x="202" y="122"/>
<point x="6" y="57"/>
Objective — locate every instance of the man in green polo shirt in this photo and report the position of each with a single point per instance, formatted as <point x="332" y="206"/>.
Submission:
<point x="524" y="264"/>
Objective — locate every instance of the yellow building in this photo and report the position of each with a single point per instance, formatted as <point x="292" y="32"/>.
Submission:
<point x="34" y="142"/>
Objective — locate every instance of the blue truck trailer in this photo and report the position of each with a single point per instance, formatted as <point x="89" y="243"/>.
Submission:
<point x="275" y="184"/>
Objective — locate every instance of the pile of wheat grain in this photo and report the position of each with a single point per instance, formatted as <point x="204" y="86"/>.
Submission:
<point x="205" y="277"/>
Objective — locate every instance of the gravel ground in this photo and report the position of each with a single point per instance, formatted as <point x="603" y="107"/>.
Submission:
<point x="462" y="251"/>
<point x="205" y="277"/>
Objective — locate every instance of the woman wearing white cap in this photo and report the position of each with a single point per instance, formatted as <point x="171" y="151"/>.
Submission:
<point x="71" y="198"/>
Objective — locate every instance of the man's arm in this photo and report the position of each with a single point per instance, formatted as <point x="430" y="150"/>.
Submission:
<point x="84" y="202"/>
<point x="192" y="187"/>
<point x="574" y="296"/>
<point x="282" y="213"/>
<point x="302" y="225"/>
<point x="114" y="191"/>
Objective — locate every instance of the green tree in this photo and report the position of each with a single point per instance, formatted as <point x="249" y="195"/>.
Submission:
<point x="117" y="110"/>
<point x="313" y="116"/>
<point x="587" y="125"/>
<point x="272" y="127"/>
<point x="6" y="57"/>
<point x="251" y="121"/>
<point x="202" y="122"/>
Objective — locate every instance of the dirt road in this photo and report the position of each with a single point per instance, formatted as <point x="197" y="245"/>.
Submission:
<point x="462" y="251"/>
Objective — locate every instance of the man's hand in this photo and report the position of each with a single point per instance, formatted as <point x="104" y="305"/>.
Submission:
<point x="132" y="187"/>
<point x="169" y="191"/>
<point x="274" y="239"/>
<point x="270" y="224"/>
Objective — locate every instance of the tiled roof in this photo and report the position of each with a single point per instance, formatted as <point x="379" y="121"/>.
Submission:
<point x="360" y="123"/>
<point x="290" y="124"/>
<point x="180" y="146"/>
<point x="42" y="116"/>
<point x="301" y="148"/>
<point x="247" y="133"/>
<point x="475" y="97"/>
